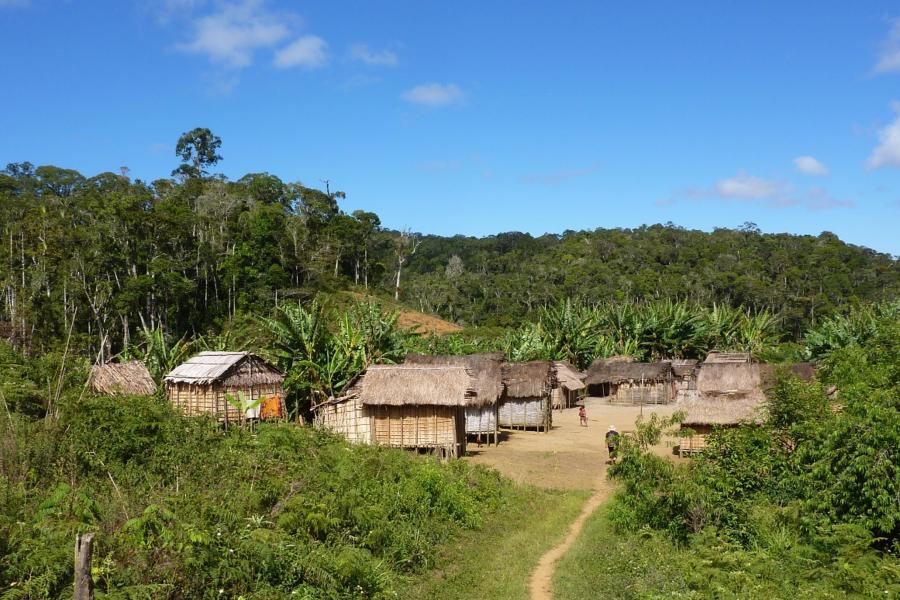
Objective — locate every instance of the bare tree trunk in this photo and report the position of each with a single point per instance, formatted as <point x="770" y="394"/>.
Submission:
<point x="84" y="583"/>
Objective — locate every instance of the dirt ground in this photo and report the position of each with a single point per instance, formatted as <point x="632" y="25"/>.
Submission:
<point x="568" y="456"/>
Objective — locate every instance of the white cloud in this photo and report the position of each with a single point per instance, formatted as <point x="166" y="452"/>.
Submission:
<point x="230" y="36"/>
<point x="747" y="187"/>
<point x="810" y="166"/>
<point x="363" y="54"/>
<point x="887" y="153"/>
<point x="309" y="51"/>
<point x="889" y="58"/>
<point x="435" y="94"/>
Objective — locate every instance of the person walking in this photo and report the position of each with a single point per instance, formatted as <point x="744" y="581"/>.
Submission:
<point x="582" y="415"/>
<point x="612" y="443"/>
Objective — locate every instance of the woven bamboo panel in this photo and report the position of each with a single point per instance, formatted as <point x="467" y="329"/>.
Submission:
<point x="648" y="393"/>
<point x="349" y="418"/>
<point x="523" y="412"/>
<point x="481" y="419"/>
<point x="414" y="426"/>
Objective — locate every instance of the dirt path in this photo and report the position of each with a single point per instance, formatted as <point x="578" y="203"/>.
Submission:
<point x="568" y="457"/>
<point x="541" y="582"/>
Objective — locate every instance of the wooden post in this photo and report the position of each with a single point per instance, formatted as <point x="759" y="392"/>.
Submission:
<point x="84" y="584"/>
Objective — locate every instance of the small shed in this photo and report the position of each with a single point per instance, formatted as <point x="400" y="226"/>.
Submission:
<point x="569" y="385"/>
<point x="727" y="394"/>
<point x="404" y="406"/>
<point x="122" y="379"/>
<point x="481" y="413"/>
<point x="602" y="389"/>
<point x="230" y="386"/>
<point x="632" y="382"/>
<point x="527" y="401"/>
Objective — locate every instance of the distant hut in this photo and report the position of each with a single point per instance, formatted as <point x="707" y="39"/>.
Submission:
<point x="569" y="385"/>
<point x="602" y="389"/>
<point x="221" y="384"/>
<point x="481" y="412"/>
<point x="632" y="382"/>
<point x="527" y="401"/>
<point x="727" y="394"/>
<point x="684" y="373"/>
<point x="122" y="379"/>
<point x="404" y="406"/>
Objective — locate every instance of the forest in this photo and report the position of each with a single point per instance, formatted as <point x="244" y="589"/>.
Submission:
<point x="96" y="259"/>
<point x="106" y="267"/>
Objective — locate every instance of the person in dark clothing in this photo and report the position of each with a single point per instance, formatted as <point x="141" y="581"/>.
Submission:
<point x="612" y="442"/>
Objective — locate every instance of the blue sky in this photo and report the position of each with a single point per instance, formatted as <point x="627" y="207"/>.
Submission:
<point x="482" y="117"/>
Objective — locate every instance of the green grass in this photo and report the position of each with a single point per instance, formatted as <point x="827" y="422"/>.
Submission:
<point x="604" y="564"/>
<point x="496" y="561"/>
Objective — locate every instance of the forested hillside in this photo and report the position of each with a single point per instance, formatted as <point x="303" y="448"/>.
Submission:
<point x="102" y="256"/>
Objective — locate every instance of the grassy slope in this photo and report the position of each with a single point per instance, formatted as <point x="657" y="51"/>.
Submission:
<point x="603" y="564"/>
<point x="496" y="561"/>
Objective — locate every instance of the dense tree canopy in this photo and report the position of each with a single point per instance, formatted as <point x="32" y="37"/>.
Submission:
<point x="101" y="257"/>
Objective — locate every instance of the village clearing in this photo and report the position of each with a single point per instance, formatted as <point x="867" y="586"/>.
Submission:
<point x="516" y="557"/>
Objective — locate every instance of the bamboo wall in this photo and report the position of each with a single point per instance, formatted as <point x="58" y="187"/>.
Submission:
<point x="348" y="418"/>
<point x="210" y="399"/>
<point x="419" y="426"/>
<point x="647" y="393"/>
<point x="525" y="412"/>
<point x="696" y="442"/>
<point x="562" y="397"/>
<point x="481" y="419"/>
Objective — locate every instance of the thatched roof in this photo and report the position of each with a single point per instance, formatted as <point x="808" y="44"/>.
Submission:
<point x="229" y="368"/>
<point x="619" y="372"/>
<point x="725" y="409"/>
<point x="769" y="373"/>
<point x="401" y="385"/>
<point x="485" y="368"/>
<point x="567" y="376"/>
<point x="727" y="357"/>
<point x="727" y="393"/>
<point x="682" y="367"/>
<point x="122" y="379"/>
<point x="721" y="378"/>
<point x="528" y="380"/>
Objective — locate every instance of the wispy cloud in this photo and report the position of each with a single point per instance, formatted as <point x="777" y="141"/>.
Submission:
<point x="309" y="51"/>
<point x="746" y="188"/>
<point x="435" y="95"/>
<point x="887" y="152"/>
<point x="231" y="36"/>
<point x="889" y="57"/>
<point x="765" y="192"/>
<point x="810" y="166"/>
<point x="363" y="54"/>
<point x="560" y="176"/>
<point x="819" y="199"/>
<point x="439" y="166"/>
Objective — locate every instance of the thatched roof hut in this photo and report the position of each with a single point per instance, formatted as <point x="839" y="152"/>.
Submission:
<point x="527" y="400"/>
<point x="684" y="367"/>
<point x="414" y="385"/>
<point x="568" y="385"/>
<point x="481" y="415"/>
<point x="405" y="406"/>
<point x="631" y="382"/>
<point x="122" y="379"/>
<point x="214" y="382"/>
<point x="485" y="369"/>
<point x="727" y="394"/>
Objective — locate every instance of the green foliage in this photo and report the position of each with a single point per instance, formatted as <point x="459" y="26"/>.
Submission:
<point x="178" y="504"/>
<point x="804" y="505"/>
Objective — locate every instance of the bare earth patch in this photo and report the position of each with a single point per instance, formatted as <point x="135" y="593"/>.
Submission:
<point x="568" y="457"/>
